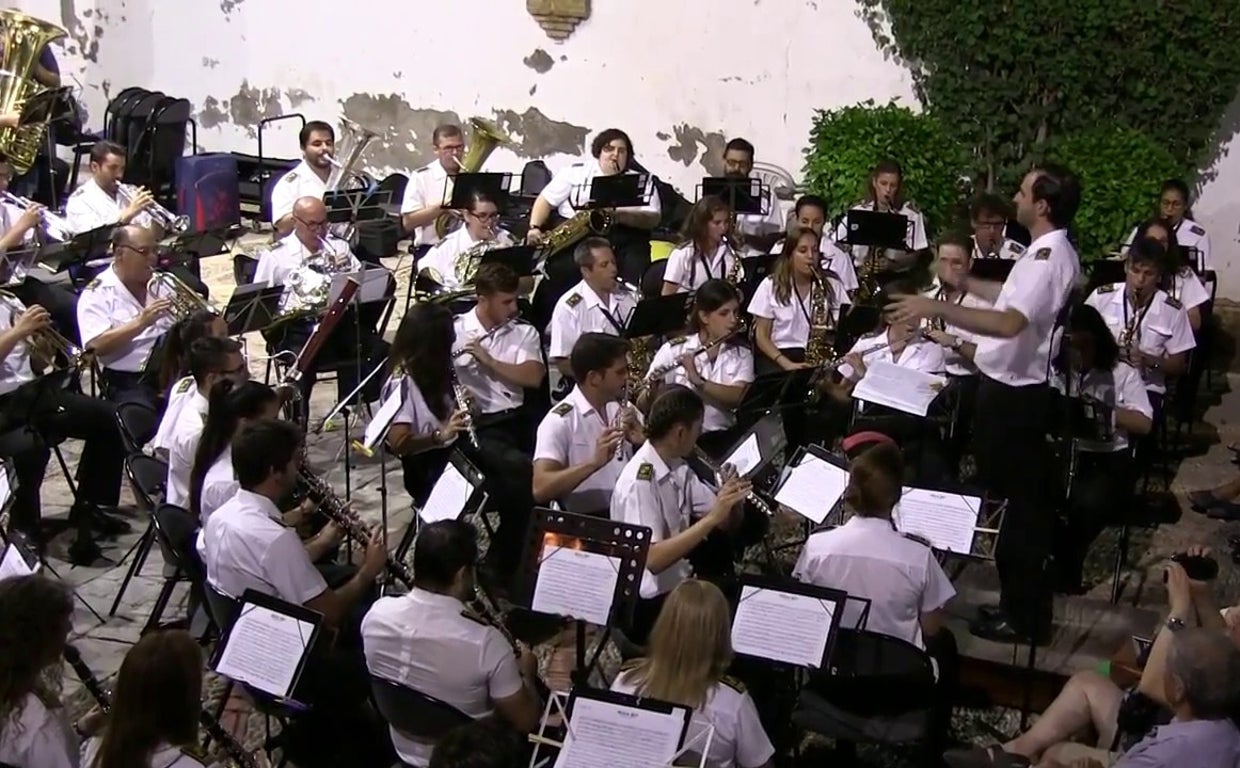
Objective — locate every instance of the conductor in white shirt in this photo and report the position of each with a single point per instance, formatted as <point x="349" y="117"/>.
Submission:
<point x="1013" y="357"/>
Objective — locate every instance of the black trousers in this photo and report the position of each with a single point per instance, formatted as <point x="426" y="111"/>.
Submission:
<point x="941" y="646"/>
<point x="55" y="415"/>
<point x="1012" y="463"/>
<point x="1100" y="493"/>
<point x="632" y="249"/>
<point x="964" y="390"/>
<point x="504" y="457"/>
<point x="131" y="387"/>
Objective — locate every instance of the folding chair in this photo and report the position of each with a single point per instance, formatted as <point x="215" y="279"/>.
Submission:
<point x="147" y="477"/>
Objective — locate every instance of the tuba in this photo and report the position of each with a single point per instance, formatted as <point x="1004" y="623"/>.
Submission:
<point x="484" y="137"/>
<point x="354" y="139"/>
<point x="23" y="39"/>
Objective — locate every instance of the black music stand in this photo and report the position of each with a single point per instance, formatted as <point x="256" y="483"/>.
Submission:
<point x="621" y="190"/>
<point x="775" y="391"/>
<point x="253" y="307"/>
<point x="200" y="245"/>
<point x="835" y="513"/>
<point x="628" y="543"/>
<point x="658" y="316"/>
<point x="745" y="195"/>
<point x="519" y="258"/>
<point x="996" y="269"/>
<point x="1107" y="272"/>
<point x="92" y="244"/>
<point x="876" y="229"/>
<point x="464" y="185"/>
<point x="856" y="320"/>
<point x="46" y="106"/>
<point x="757" y="268"/>
<point x="252" y="600"/>
<point x="837" y="598"/>
<point x="473" y="506"/>
<point x="351" y="206"/>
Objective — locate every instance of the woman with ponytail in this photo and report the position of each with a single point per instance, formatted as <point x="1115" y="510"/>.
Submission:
<point x="230" y="407"/>
<point x="175" y="381"/>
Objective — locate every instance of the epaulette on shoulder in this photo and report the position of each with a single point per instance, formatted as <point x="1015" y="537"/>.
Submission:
<point x="1042" y="255"/>
<point x="424" y="168"/>
<point x="645" y="471"/>
<point x="468" y="614"/>
<point x="677" y="341"/>
<point x="94" y="284"/>
<point x="1108" y="288"/>
<point x="562" y="409"/>
<point x="78" y="191"/>
<point x="1196" y="229"/>
<point x="1016" y="247"/>
<point x="1173" y="302"/>
<point x="290" y="176"/>
<point x="573" y="299"/>
<point x="183" y="385"/>
<point x="578" y="165"/>
<point x="733" y="683"/>
<point x="909" y="204"/>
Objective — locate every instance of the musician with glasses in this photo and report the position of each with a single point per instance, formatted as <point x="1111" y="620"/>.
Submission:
<point x="424" y="194"/>
<point x="308" y="178"/>
<point x="428" y="640"/>
<point x="122" y="317"/>
<point x="811" y="213"/>
<point x="480" y="232"/>
<point x="630" y="233"/>
<point x="755" y="233"/>
<point x="1175" y="205"/>
<point x="988" y="216"/>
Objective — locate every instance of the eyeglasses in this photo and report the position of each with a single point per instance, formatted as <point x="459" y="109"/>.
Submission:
<point x="990" y="224"/>
<point x="312" y="224"/>
<point x="145" y="250"/>
<point x="450" y="148"/>
<point x="485" y="216"/>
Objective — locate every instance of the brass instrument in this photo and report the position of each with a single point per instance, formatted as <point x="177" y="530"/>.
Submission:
<point x="428" y="287"/>
<point x="55" y="226"/>
<point x="48" y="343"/>
<point x="753" y="498"/>
<point x="821" y="325"/>
<point x="618" y="422"/>
<point x="22" y="40"/>
<point x="1131" y="331"/>
<point x="354" y="139"/>
<point x="160" y="215"/>
<point x="734" y="274"/>
<point x="335" y="509"/>
<point x="309" y="287"/>
<point x="484" y="137"/>
<point x="938" y="323"/>
<point x="465" y="267"/>
<point x="464" y="402"/>
<point x="593" y="222"/>
<point x="185" y="300"/>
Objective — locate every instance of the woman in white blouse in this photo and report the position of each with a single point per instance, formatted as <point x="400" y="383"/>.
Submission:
<point x="712" y="360"/>
<point x="36" y="615"/>
<point x="686" y="662"/>
<point x="783" y="303"/>
<point x="704" y="252"/>
<point x="1088" y="368"/>
<point x="230" y="407"/>
<point x="429" y="419"/>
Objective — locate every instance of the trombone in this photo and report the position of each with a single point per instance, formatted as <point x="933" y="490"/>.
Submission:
<point x="162" y="216"/>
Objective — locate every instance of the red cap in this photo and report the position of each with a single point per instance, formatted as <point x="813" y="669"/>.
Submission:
<point x="865" y="439"/>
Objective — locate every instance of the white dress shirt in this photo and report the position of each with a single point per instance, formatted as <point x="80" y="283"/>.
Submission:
<point x="733" y="365"/>
<point x="290" y="255"/>
<point x="1119" y="388"/>
<point x="107" y="303"/>
<point x="1037" y="288"/>
<point x="915" y="239"/>
<point x="414" y="412"/>
<point x="219" y="486"/>
<point x="164" y="756"/>
<point x="182" y="445"/>
<point x="1008" y="249"/>
<point x="298" y="182"/>
<point x="1188" y="289"/>
<point x="443" y="257"/>
<point x="956" y="363"/>
<point x="919" y="354"/>
<point x="581" y="310"/>
<point x="15" y="369"/>
<point x="567" y="435"/>
<point x="515" y="343"/>
<point x="739" y="740"/>
<point x="38" y="738"/>
<point x="834" y="259"/>
<point x="249" y="547"/>
<point x="1162" y="327"/>
<point x="688" y="267"/>
<point x="571" y="187"/>
<point x="18" y="267"/>
<point x="664" y="498"/>
<point x="181" y="393"/>
<point x="429" y="642"/>
<point x="427" y="187"/>
<point x="89" y="207"/>
<point x="867" y="558"/>
<point x="790" y="321"/>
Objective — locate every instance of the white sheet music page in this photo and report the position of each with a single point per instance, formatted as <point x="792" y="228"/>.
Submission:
<point x="575" y="583"/>
<point x="946" y="520"/>
<point x="782" y="626"/>
<point x="264" y="650"/>
<point x="449" y="496"/>
<point x="378" y="426"/>
<point x="812" y="488"/>
<point x="746" y="457"/>
<point x="606" y="735"/>
<point x="12" y="564"/>
<point x="901" y="388"/>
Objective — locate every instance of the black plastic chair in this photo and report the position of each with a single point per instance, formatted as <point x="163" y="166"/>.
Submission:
<point x="175" y="529"/>
<point x="856" y="701"/>
<point x="147" y="477"/>
<point x="535" y="177"/>
<point x="138" y="423"/>
<point x="413" y="713"/>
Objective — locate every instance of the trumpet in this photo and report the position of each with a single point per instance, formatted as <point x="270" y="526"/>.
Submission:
<point x="48" y="342"/>
<point x="185" y="300"/>
<point x="462" y="351"/>
<point x="55" y="226"/>
<point x="159" y="214"/>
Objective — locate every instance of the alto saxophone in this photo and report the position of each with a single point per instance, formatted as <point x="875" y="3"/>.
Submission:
<point x="821" y="326"/>
<point x="1131" y="332"/>
<point x="734" y="272"/>
<point x="618" y="423"/>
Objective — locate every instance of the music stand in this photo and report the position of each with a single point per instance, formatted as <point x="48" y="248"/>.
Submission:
<point x="1107" y="272"/>
<point x="856" y="320"/>
<point x="563" y="535"/>
<point x="465" y="185"/>
<point x="234" y="662"/>
<point x="823" y="487"/>
<point x="989" y="520"/>
<point x="775" y="390"/>
<point x="621" y="190"/>
<point x="876" y="229"/>
<point x="45" y="106"/>
<point x="445" y="500"/>
<point x="745" y="195"/>
<point x="252" y="307"/>
<point x="764" y="633"/>
<point x="652" y="724"/>
<point x="350" y="206"/>
<point x="200" y="245"/>
<point x="997" y="269"/>
<point x="756" y="268"/>
<point x="658" y="316"/>
<point x="519" y="258"/>
<point x="85" y="246"/>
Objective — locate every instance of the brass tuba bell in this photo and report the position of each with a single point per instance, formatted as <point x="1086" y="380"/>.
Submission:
<point x="484" y="137"/>
<point x="22" y="40"/>
<point x="354" y="139"/>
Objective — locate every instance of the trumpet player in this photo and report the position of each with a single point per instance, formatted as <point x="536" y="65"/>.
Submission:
<point x="1152" y="328"/>
<point x="122" y="317"/>
<point x="711" y="360"/>
<point x="424" y="194"/>
<point x="480" y="233"/>
<point x="99" y="202"/>
<point x="307" y="179"/>
<point x="52" y="414"/>
<point x="704" y="252"/>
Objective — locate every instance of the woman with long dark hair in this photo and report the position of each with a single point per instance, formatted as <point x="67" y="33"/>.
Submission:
<point x="174" y="379"/>
<point x="36" y="616"/>
<point x="231" y="406"/>
<point x="1180" y="281"/>
<point x="429" y="419"/>
<point x="703" y="253"/>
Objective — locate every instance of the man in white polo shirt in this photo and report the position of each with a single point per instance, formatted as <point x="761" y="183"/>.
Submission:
<point x="1013" y="356"/>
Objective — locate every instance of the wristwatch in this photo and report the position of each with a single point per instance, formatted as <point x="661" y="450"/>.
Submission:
<point x="1175" y="624"/>
<point x="957" y="344"/>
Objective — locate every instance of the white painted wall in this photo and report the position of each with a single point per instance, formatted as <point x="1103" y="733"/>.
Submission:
<point x="1217" y="207"/>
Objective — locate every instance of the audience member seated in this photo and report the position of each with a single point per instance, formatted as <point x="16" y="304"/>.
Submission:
<point x="687" y="657"/>
<point x="429" y="641"/>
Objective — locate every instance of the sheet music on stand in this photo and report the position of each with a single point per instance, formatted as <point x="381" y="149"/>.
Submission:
<point x="575" y="583"/>
<point x="903" y="389"/>
<point x="268" y="644"/>
<point x="381" y="421"/>
<point x="451" y="497"/>
<point x="16" y="559"/>
<point x="786" y="621"/>
<point x="955" y="523"/>
<point x="373" y="285"/>
<point x="813" y="486"/>
<point x="606" y="729"/>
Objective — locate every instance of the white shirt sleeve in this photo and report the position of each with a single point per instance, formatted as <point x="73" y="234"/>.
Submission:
<point x="503" y="677"/>
<point x="637" y="503"/>
<point x="1181" y="333"/>
<point x="265" y="272"/>
<point x="654" y="204"/>
<point x="1130" y="391"/>
<point x="1037" y="294"/>
<point x="763" y="302"/>
<point x="677" y="271"/>
<point x="1203" y="246"/>
<point x="82" y="216"/>
<point x="753" y="746"/>
<point x="938" y="588"/>
<point x="565" y="330"/>
<point x="290" y="571"/>
<point x="701" y="497"/>
<point x="1193" y="292"/>
<point x="94" y="317"/>
<point x="553" y="440"/>
<point x="933" y="361"/>
<point x="283" y="196"/>
<point x="414" y="199"/>
<point x="560" y="188"/>
<point x="526" y="342"/>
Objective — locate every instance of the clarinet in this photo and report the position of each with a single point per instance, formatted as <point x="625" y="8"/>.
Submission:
<point x="464" y="402"/>
<point x="334" y="509"/>
<point x="89" y="681"/>
<point x="482" y="606"/>
<point x="233" y="748"/>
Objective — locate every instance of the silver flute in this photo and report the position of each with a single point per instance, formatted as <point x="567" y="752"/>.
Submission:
<point x="753" y="498"/>
<point x="462" y="351"/>
<point x="56" y="226"/>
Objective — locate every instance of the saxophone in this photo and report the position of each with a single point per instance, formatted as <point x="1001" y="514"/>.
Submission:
<point x="821" y="327"/>
<point x="1131" y="332"/>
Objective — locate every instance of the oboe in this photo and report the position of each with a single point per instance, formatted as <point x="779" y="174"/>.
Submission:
<point x="89" y="681"/>
<point x="336" y="509"/>
<point x="233" y="748"/>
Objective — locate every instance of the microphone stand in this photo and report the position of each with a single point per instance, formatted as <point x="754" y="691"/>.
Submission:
<point x="342" y="408"/>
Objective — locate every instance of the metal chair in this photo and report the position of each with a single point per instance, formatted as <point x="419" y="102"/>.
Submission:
<point x="175" y="529"/>
<point x="147" y="477"/>
<point x="413" y="713"/>
<point x="138" y="424"/>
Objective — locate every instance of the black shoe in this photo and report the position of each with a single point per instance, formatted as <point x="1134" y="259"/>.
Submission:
<point x="989" y="611"/>
<point x="106" y="524"/>
<point x="84" y="551"/>
<point x="1000" y="630"/>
